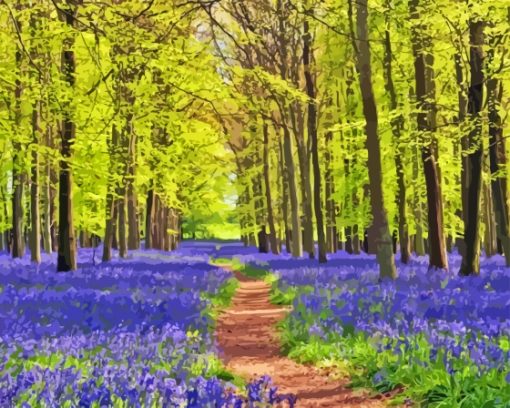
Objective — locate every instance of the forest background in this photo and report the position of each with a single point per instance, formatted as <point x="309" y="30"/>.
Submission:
<point x="371" y="125"/>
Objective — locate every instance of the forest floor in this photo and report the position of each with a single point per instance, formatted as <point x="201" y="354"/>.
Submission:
<point x="249" y="341"/>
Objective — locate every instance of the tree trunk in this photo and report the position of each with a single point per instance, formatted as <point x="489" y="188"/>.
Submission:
<point x="111" y="223"/>
<point x="269" y="201"/>
<point x="490" y="245"/>
<point x="66" y="259"/>
<point x="331" y="231"/>
<point x="471" y="258"/>
<point x="18" y="176"/>
<point x="349" y="240"/>
<point x="285" y="198"/>
<point x="111" y="201"/>
<point x="121" y="205"/>
<point x="380" y="220"/>
<point x="305" y="185"/>
<point x="53" y="209"/>
<point x="149" y="216"/>
<point x="18" y="181"/>
<point x="462" y="95"/>
<point x="35" y="217"/>
<point x="294" y="205"/>
<point x="397" y="125"/>
<point x="426" y="119"/>
<point x="165" y="236"/>
<point x="312" y="134"/>
<point x="46" y="201"/>
<point x="6" y="233"/>
<point x="133" y="227"/>
<point x="498" y="163"/>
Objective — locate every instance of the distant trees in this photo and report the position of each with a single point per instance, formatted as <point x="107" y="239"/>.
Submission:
<point x="91" y="124"/>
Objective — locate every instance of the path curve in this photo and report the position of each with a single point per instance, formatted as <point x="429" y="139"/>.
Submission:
<point x="249" y="346"/>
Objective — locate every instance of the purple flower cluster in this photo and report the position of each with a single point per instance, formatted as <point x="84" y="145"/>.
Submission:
<point x="132" y="333"/>
<point x="464" y="318"/>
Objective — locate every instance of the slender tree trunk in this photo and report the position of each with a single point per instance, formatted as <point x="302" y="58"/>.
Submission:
<point x="165" y="236"/>
<point x="426" y="118"/>
<point x="471" y="258"/>
<point x="331" y="231"/>
<point x="380" y="220"/>
<point x="6" y="233"/>
<point x="397" y="125"/>
<point x="121" y="208"/>
<point x="149" y="219"/>
<point x="18" y="243"/>
<point x="85" y="239"/>
<point x="18" y="176"/>
<point x="133" y="227"/>
<point x="111" y="223"/>
<point x="46" y="201"/>
<point x="463" y="102"/>
<point x="285" y="198"/>
<point x="351" y="200"/>
<point x="488" y="220"/>
<point x="294" y="205"/>
<point x="111" y="201"/>
<point x="35" y="221"/>
<point x="269" y="201"/>
<point x="53" y="209"/>
<point x="498" y="163"/>
<point x="297" y="120"/>
<point x="66" y="259"/>
<point x="156" y="226"/>
<point x="312" y="134"/>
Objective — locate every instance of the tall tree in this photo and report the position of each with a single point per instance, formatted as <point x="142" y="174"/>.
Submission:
<point x="18" y="171"/>
<point x="426" y="120"/>
<point x="397" y="126"/>
<point x="361" y="47"/>
<point x="497" y="152"/>
<point x="471" y="257"/>
<point x="312" y="134"/>
<point x="269" y="200"/>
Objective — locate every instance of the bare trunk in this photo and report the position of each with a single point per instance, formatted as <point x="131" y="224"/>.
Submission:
<point x="462" y="95"/>
<point x="18" y="243"/>
<point x="269" y="201"/>
<point x="46" y="231"/>
<point x="385" y="256"/>
<point x="133" y="227"/>
<point x="471" y="257"/>
<point x="331" y="231"/>
<point x="297" y="120"/>
<point x="312" y="134"/>
<point x="498" y="162"/>
<point x="121" y="205"/>
<point x="111" y="202"/>
<point x="66" y="259"/>
<point x="111" y="223"/>
<point x="294" y="205"/>
<point x="490" y="245"/>
<point x="149" y="216"/>
<point x="397" y="125"/>
<point x="18" y="176"/>
<point x="35" y="218"/>
<point x="285" y="198"/>
<point x="426" y="118"/>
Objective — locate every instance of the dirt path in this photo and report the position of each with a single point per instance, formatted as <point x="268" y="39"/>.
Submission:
<point x="250" y="348"/>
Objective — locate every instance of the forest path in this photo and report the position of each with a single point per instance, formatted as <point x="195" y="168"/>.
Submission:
<point x="249" y="345"/>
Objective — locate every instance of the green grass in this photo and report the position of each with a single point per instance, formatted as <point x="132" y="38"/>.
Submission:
<point x="427" y="383"/>
<point x="247" y="270"/>
<point x="222" y="299"/>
